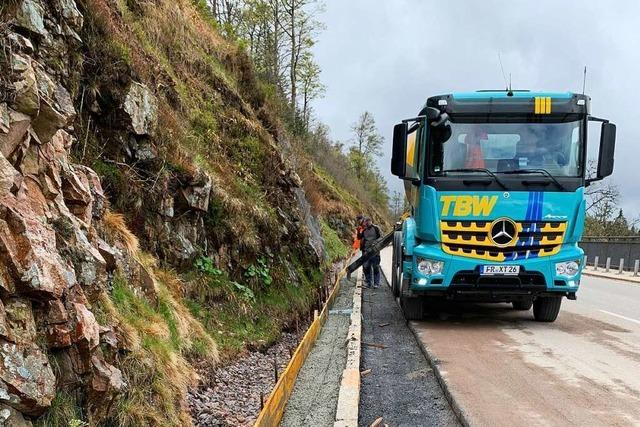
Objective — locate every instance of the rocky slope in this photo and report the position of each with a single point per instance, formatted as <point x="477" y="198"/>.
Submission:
<point x="149" y="207"/>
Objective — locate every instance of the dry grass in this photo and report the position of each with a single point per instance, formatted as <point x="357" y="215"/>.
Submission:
<point x="117" y="230"/>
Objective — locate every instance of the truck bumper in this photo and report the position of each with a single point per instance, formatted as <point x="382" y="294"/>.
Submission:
<point x="460" y="276"/>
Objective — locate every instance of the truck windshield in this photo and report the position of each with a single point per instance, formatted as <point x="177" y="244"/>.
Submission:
<point x="510" y="147"/>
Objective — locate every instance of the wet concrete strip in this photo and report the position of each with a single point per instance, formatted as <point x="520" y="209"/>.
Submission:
<point x="315" y="394"/>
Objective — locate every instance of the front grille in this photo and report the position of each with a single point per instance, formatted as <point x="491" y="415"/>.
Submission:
<point x="524" y="279"/>
<point x="473" y="239"/>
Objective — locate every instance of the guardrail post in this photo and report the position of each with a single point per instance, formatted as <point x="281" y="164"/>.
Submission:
<point x="636" y="266"/>
<point x="595" y="262"/>
<point x="607" y="266"/>
<point x="621" y="266"/>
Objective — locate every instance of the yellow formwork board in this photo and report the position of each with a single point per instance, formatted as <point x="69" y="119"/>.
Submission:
<point x="273" y="409"/>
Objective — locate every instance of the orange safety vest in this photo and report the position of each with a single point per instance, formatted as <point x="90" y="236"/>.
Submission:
<point x="475" y="159"/>
<point x="356" y="241"/>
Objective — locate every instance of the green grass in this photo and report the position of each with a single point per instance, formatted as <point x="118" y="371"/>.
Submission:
<point x="334" y="247"/>
<point x="237" y="324"/>
<point x="63" y="412"/>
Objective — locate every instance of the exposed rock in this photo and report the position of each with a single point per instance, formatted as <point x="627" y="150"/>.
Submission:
<point x="11" y="418"/>
<point x="4" y="326"/>
<point x="197" y="194"/>
<point x="20" y="320"/>
<point x="30" y="16"/>
<point x="69" y="11"/>
<point x="58" y="336"/>
<point x="20" y="43"/>
<point x="56" y="312"/>
<point x="141" y="107"/>
<point x="27" y="382"/>
<point x="56" y="111"/>
<point x="17" y="136"/>
<point x="30" y="254"/>
<point x="4" y="118"/>
<point x="9" y="177"/>
<point x="106" y="378"/>
<point x="25" y="85"/>
<point x="86" y="330"/>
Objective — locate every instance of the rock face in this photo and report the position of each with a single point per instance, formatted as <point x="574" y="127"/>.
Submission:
<point x="142" y="109"/>
<point x="50" y="253"/>
<point x="56" y="260"/>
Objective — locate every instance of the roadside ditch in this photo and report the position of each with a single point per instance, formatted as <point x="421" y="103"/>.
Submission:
<point x="233" y="394"/>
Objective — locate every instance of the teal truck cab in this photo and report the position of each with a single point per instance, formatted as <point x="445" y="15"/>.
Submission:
<point x="496" y="183"/>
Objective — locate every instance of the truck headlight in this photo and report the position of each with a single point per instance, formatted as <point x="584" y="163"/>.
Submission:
<point x="429" y="266"/>
<point x="567" y="268"/>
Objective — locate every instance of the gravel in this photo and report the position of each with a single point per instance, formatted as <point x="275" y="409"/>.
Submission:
<point x="401" y="387"/>
<point x="230" y="395"/>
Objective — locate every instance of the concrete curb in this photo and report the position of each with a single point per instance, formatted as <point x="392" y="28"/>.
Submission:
<point x="453" y="400"/>
<point x="621" y="278"/>
<point x="347" y="410"/>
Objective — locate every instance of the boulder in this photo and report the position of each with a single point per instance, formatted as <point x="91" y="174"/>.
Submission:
<point x="27" y="382"/>
<point x="30" y="16"/>
<point x="141" y="107"/>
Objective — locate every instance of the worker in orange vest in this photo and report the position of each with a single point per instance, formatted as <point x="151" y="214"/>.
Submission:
<point x="359" y="228"/>
<point x="475" y="157"/>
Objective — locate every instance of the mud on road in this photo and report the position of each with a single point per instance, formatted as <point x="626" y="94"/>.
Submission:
<point x="401" y="387"/>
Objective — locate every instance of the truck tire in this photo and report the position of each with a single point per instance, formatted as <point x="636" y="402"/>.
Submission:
<point x="546" y="309"/>
<point x="522" y="305"/>
<point x="411" y="307"/>
<point x="396" y="267"/>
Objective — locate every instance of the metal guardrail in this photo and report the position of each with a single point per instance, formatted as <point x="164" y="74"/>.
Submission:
<point x="620" y="253"/>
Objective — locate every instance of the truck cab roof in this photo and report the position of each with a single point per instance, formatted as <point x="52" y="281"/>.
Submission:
<point x="511" y="102"/>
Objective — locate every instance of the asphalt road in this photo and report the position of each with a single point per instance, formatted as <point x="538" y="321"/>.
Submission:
<point x="503" y="368"/>
<point x="401" y="387"/>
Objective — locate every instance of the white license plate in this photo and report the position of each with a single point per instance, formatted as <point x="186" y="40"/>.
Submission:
<point x="506" y="270"/>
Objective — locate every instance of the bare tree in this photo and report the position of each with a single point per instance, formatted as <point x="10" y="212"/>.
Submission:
<point x="601" y="194"/>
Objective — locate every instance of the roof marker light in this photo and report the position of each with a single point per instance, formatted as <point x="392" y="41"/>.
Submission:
<point x="442" y="102"/>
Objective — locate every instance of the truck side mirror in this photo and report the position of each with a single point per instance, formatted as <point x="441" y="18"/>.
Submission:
<point x="399" y="153"/>
<point x="607" y="149"/>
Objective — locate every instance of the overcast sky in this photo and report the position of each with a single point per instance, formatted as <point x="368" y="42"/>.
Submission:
<point x="389" y="56"/>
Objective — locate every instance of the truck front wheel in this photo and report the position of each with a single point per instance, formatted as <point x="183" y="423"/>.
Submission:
<point x="546" y="309"/>
<point x="411" y="307"/>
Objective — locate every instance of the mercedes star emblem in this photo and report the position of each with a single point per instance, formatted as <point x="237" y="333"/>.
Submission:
<point x="503" y="232"/>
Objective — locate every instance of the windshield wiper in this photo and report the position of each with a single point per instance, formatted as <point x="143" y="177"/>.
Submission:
<point x="540" y="171"/>
<point x="483" y="170"/>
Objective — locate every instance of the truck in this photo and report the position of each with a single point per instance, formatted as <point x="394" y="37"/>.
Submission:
<point x="496" y="183"/>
